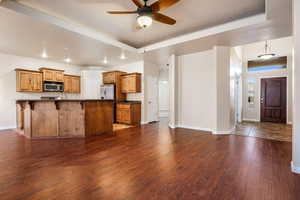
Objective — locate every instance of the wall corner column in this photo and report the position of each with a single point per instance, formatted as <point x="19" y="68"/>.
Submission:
<point x="222" y="71"/>
<point x="296" y="88"/>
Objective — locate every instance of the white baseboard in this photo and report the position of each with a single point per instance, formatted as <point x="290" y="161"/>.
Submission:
<point x="143" y="123"/>
<point x="251" y="120"/>
<point x="194" y="128"/>
<point x="295" y="169"/>
<point x="226" y="132"/>
<point x="7" y="127"/>
<point x="172" y="126"/>
<point x="290" y="123"/>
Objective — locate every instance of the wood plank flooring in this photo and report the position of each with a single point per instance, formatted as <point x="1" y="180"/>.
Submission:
<point x="145" y="163"/>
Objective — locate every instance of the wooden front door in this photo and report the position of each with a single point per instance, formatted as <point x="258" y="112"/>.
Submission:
<point x="273" y="100"/>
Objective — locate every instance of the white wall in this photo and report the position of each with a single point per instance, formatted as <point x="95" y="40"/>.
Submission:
<point x="197" y="91"/>
<point x="281" y="47"/>
<point x="222" y="70"/>
<point x="8" y="94"/>
<point x="296" y="89"/>
<point x="91" y="81"/>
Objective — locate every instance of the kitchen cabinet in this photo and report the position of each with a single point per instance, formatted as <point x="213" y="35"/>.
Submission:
<point x="131" y="83"/>
<point x="29" y="81"/>
<point x="114" y="77"/>
<point x="129" y="113"/>
<point x="72" y="84"/>
<point x="53" y="75"/>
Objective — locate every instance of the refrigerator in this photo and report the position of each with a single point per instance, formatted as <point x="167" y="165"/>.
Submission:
<point x="107" y="92"/>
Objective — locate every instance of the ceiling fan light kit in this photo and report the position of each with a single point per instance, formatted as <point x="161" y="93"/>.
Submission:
<point x="148" y="13"/>
<point x="144" y="21"/>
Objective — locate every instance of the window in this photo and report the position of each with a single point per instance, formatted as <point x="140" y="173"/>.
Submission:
<point x="265" y="65"/>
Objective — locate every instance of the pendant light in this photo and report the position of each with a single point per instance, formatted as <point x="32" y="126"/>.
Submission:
<point x="267" y="55"/>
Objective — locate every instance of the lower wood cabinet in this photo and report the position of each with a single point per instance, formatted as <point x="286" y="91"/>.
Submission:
<point x="129" y="113"/>
<point x="29" y="81"/>
<point x="71" y="84"/>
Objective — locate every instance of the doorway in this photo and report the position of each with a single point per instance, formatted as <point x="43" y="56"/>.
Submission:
<point x="163" y="99"/>
<point x="273" y="100"/>
<point x="152" y="95"/>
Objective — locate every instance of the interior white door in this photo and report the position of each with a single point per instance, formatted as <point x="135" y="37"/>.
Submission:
<point x="163" y="99"/>
<point x="152" y="98"/>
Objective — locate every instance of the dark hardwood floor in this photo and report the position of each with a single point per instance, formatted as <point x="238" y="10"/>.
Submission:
<point x="148" y="162"/>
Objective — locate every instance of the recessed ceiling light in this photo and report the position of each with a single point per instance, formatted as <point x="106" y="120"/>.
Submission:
<point x="123" y="57"/>
<point x="44" y="54"/>
<point x="105" y="61"/>
<point x="68" y="60"/>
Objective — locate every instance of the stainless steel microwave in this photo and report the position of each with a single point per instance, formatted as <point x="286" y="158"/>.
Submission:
<point x="53" y="87"/>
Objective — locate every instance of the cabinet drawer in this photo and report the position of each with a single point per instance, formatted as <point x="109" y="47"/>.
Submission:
<point x="123" y="106"/>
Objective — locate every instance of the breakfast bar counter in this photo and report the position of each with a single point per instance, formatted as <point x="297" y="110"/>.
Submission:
<point x="64" y="118"/>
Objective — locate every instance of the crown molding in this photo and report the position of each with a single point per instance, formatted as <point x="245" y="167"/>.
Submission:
<point x="241" y="23"/>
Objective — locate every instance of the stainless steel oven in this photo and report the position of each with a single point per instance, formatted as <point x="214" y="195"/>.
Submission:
<point x="53" y="86"/>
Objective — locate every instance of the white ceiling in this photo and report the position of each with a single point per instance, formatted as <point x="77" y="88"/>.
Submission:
<point x="27" y="34"/>
<point x="191" y="15"/>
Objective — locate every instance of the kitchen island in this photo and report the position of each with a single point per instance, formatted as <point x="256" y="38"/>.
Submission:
<point x="64" y="118"/>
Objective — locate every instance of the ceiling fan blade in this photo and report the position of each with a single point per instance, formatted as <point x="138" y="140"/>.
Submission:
<point x="138" y="3"/>
<point x="162" y="5"/>
<point x="121" y="12"/>
<point x="163" y="19"/>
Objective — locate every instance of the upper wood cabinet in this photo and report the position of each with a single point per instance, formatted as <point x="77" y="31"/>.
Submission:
<point x="114" y="77"/>
<point x="131" y="83"/>
<point x="52" y="74"/>
<point x="29" y="81"/>
<point x="72" y="84"/>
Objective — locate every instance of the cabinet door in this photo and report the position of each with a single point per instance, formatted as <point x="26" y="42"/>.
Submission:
<point x="124" y="113"/>
<point x="67" y="84"/>
<point x="36" y="82"/>
<point x="131" y="84"/>
<point x="59" y="76"/>
<point x="49" y="75"/>
<point x="109" y="77"/>
<point x="24" y="81"/>
<point x="125" y="84"/>
<point x="75" y="84"/>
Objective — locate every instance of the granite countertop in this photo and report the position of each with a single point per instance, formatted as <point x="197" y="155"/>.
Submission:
<point x="129" y="102"/>
<point x="39" y="100"/>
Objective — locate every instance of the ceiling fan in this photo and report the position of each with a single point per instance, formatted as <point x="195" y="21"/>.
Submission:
<point x="148" y="13"/>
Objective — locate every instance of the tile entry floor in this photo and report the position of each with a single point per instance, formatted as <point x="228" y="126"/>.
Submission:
<point x="117" y="127"/>
<point x="267" y="130"/>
